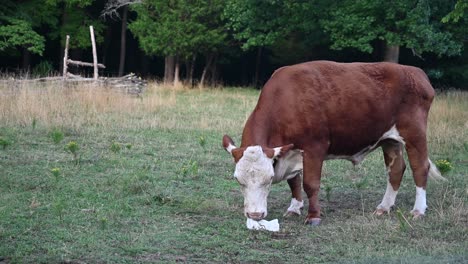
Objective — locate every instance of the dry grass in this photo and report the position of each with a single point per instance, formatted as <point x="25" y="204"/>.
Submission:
<point x="448" y="121"/>
<point x="75" y="106"/>
<point x="83" y="105"/>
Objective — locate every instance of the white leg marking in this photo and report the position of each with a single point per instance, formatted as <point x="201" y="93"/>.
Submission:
<point x="388" y="199"/>
<point x="420" y="203"/>
<point x="295" y="207"/>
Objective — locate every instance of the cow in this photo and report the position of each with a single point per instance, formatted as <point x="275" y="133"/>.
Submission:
<point x="315" y="111"/>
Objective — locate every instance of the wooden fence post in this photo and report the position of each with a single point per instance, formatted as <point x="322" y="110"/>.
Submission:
<point x="65" y="58"/>
<point x="91" y="30"/>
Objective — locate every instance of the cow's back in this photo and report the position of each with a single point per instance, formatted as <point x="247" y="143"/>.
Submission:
<point x="348" y="104"/>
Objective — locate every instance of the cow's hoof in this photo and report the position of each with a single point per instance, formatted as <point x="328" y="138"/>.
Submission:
<point x="313" y="221"/>
<point x="380" y="212"/>
<point x="291" y="213"/>
<point x="417" y="215"/>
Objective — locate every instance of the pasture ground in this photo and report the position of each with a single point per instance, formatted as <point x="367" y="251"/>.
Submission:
<point x="151" y="183"/>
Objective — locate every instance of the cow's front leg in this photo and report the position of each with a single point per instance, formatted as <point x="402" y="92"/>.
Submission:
<point x="296" y="201"/>
<point x="312" y="173"/>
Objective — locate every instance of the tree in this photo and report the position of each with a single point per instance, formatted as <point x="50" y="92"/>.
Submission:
<point x="402" y="23"/>
<point x="20" y="27"/>
<point x="111" y="10"/>
<point x="17" y="33"/>
<point x="76" y="20"/>
<point x="260" y="24"/>
<point x="177" y="30"/>
<point x="459" y="10"/>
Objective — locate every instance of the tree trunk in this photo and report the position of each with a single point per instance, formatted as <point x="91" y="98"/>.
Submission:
<point x="64" y="21"/>
<point x="169" y="69"/>
<point x="176" y="71"/>
<point x="26" y="60"/>
<point x="190" y="66"/>
<point x="209" y="59"/>
<point x="123" y="38"/>
<point x="105" y="48"/>
<point x="257" y="66"/>
<point x="213" y="70"/>
<point x="145" y="63"/>
<point x="392" y="52"/>
<point x="244" y="72"/>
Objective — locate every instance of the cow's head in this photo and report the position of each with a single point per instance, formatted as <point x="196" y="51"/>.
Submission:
<point x="254" y="172"/>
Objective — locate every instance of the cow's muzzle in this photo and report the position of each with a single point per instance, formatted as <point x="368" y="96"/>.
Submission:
<point x="257" y="216"/>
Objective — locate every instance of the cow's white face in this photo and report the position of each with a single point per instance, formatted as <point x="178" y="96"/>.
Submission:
<point x="254" y="172"/>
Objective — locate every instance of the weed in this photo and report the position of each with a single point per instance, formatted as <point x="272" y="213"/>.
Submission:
<point x="444" y="165"/>
<point x="103" y="222"/>
<point x="162" y="200"/>
<point x="362" y="183"/>
<point x="56" y="173"/>
<point x="202" y="142"/>
<point x="73" y="148"/>
<point x="189" y="169"/>
<point x="128" y="146"/>
<point x="404" y="223"/>
<point x="328" y="192"/>
<point x="34" y="123"/>
<point x="56" y="135"/>
<point x="115" y="147"/>
<point x="4" y="143"/>
<point x="59" y="208"/>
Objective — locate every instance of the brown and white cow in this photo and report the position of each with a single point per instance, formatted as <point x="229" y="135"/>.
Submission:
<point x="320" y="110"/>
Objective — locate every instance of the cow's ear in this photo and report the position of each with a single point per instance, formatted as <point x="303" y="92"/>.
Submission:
<point x="278" y="151"/>
<point x="228" y="144"/>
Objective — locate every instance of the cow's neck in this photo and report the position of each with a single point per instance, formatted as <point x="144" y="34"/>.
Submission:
<point x="256" y="132"/>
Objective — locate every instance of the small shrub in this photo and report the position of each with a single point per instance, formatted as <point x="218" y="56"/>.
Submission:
<point x="103" y="221"/>
<point x="202" y="142"/>
<point x="43" y="68"/>
<point x="328" y="192"/>
<point x="55" y="172"/>
<point x="191" y="168"/>
<point x="162" y="199"/>
<point x="56" y="135"/>
<point x="128" y="146"/>
<point x="73" y="148"/>
<point x="59" y="208"/>
<point x="4" y="142"/>
<point x="115" y="147"/>
<point x="444" y="165"/>
<point x="362" y="184"/>
<point x="34" y="123"/>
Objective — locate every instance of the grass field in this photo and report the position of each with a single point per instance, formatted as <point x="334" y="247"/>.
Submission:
<point x="146" y="180"/>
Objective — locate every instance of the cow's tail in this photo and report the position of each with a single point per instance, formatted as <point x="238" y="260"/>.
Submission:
<point x="434" y="173"/>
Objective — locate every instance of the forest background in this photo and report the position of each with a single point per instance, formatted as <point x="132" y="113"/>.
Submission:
<point x="233" y="42"/>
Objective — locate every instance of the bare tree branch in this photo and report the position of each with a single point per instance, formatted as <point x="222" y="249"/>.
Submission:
<point x="111" y="7"/>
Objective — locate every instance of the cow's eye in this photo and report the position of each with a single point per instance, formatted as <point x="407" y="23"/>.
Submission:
<point x="266" y="184"/>
<point x="241" y="184"/>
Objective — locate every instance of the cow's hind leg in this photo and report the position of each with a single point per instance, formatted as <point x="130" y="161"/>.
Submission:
<point x="417" y="155"/>
<point x="395" y="163"/>
<point x="296" y="201"/>
<point x="416" y="147"/>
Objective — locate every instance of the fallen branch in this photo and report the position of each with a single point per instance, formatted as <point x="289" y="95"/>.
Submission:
<point x="88" y="64"/>
<point x="129" y="83"/>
